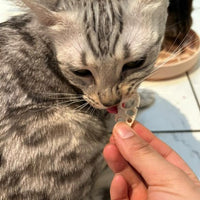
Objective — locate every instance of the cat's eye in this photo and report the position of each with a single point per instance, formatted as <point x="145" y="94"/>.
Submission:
<point x="83" y="73"/>
<point x="133" y="65"/>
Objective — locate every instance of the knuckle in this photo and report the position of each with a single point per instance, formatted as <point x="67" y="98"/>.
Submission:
<point x="143" y="147"/>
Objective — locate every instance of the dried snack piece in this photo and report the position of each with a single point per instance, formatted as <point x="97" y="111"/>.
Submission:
<point x="128" y="108"/>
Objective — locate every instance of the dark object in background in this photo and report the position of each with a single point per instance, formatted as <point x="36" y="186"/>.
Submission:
<point x="179" y="20"/>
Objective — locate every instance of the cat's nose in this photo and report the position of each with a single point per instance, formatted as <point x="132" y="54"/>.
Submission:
<point x="111" y="103"/>
<point x="109" y="97"/>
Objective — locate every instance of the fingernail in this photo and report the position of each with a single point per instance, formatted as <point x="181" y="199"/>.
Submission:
<point x="125" y="132"/>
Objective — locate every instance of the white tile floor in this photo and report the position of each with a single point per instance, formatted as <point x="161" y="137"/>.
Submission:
<point x="175" y="116"/>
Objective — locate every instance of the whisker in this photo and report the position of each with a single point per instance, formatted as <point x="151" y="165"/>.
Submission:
<point x="59" y="93"/>
<point x="88" y="108"/>
<point x="67" y="103"/>
<point x="172" y="25"/>
<point x="79" y="108"/>
<point x="65" y="98"/>
<point x="70" y="101"/>
<point x="84" y="107"/>
<point x="81" y="97"/>
<point x="174" y="42"/>
<point x="60" y="96"/>
<point x="191" y="43"/>
<point x="53" y="93"/>
<point x="93" y="110"/>
<point x="174" y="55"/>
<point x="64" y="103"/>
<point x="184" y="39"/>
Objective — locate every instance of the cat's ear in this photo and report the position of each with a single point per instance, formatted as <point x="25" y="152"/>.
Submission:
<point x="45" y="16"/>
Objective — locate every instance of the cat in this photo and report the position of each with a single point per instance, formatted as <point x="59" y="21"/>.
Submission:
<point x="62" y="64"/>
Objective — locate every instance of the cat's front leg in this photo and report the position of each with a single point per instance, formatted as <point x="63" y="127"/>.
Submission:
<point x="146" y="98"/>
<point x="101" y="190"/>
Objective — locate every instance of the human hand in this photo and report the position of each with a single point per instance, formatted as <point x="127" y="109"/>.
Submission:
<point x="146" y="168"/>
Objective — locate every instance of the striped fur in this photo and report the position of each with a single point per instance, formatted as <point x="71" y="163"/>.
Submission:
<point x="60" y="63"/>
<point x="101" y="24"/>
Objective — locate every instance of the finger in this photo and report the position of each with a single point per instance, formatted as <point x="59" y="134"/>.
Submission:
<point x="112" y="141"/>
<point x="168" y="153"/>
<point x="148" y="162"/>
<point x="119" y="188"/>
<point x="114" y="159"/>
<point x="118" y="165"/>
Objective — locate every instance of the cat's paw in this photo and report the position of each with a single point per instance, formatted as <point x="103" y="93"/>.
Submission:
<point x="147" y="98"/>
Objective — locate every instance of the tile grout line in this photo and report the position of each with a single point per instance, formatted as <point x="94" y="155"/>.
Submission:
<point x="177" y="131"/>
<point x="193" y="90"/>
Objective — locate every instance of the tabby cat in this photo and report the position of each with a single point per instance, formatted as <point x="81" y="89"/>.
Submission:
<point x="62" y="64"/>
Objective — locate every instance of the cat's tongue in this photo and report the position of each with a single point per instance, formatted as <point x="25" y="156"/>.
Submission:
<point x="113" y="110"/>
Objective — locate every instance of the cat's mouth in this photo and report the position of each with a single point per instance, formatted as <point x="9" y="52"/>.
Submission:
<point x="113" y="110"/>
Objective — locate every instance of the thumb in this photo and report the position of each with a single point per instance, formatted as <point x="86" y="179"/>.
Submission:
<point x="140" y="154"/>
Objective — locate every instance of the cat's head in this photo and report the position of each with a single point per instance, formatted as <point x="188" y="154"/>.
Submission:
<point x="104" y="47"/>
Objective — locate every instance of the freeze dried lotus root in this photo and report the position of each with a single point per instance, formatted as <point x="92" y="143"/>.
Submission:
<point x="127" y="109"/>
